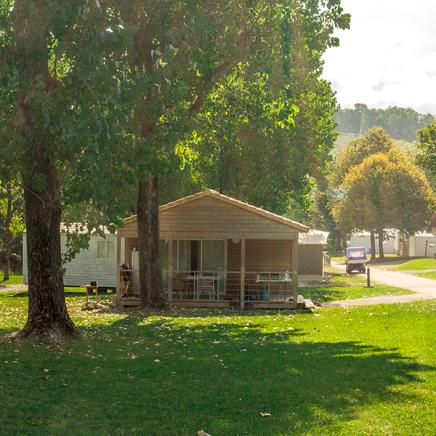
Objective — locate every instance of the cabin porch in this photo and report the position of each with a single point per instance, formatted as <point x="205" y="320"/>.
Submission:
<point x="229" y="273"/>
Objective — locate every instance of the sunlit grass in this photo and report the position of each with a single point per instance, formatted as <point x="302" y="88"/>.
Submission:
<point x="347" y="371"/>
<point x="416" y="264"/>
<point x="342" y="286"/>
<point x="13" y="280"/>
<point x="428" y="275"/>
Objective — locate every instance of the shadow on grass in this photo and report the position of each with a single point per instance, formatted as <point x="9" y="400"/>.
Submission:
<point x="179" y="375"/>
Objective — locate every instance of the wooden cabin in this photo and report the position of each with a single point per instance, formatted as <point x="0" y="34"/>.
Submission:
<point x="217" y="252"/>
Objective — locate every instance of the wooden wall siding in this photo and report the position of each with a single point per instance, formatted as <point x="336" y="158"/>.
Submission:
<point x="209" y="216"/>
<point x="233" y="256"/>
<point x="268" y="255"/>
<point x="86" y="266"/>
<point x="310" y="259"/>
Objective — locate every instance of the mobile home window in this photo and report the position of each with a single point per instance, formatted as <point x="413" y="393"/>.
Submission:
<point x="106" y="249"/>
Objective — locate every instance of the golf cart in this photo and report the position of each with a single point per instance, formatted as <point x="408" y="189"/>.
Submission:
<point x="355" y="259"/>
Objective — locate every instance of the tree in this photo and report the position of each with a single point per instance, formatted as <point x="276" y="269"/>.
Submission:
<point x="376" y="140"/>
<point x="248" y="147"/>
<point x="384" y="192"/>
<point x="427" y="151"/>
<point x="178" y="55"/>
<point x="49" y="53"/>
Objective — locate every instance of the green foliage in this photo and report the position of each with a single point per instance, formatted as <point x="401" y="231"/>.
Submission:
<point x="384" y="192"/>
<point x="400" y="123"/>
<point x="11" y="215"/>
<point x="427" y="150"/>
<point x="255" y="144"/>
<point x="376" y="140"/>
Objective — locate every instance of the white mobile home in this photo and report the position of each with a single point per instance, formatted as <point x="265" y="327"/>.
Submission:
<point x="97" y="263"/>
<point x="422" y="244"/>
<point x="362" y="239"/>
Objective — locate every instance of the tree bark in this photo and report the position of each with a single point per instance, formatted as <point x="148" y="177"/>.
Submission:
<point x="144" y="223"/>
<point x="150" y="273"/>
<point x="47" y="311"/>
<point x="381" y="252"/>
<point x="159" y="298"/>
<point x="372" y="240"/>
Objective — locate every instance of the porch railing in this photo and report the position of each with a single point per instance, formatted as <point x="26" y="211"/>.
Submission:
<point x="226" y="286"/>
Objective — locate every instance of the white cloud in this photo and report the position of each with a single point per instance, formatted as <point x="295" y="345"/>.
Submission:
<point x="389" y="55"/>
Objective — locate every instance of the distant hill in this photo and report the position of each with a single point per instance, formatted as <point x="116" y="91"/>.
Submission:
<point x="400" y="123"/>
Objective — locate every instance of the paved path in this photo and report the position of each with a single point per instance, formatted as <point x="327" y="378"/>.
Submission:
<point x="383" y="299"/>
<point x="423" y="289"/>
<point x="13" y="288"/>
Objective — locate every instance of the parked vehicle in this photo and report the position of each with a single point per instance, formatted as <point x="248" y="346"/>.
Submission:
<point x="355" y="259"/>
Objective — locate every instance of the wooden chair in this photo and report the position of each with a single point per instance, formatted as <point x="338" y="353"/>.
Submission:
<point x="89" y="289"/>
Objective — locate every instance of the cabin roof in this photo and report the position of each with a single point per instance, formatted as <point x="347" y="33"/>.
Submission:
<point x="294" y="225"/>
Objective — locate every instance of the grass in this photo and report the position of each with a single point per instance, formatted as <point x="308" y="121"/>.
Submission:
<point x="342" y="286"/>
<point x="368" y="370"/>
<point x="416" y="264"/>
<point x="428" y="275"/>
<point x="13" y="280"/>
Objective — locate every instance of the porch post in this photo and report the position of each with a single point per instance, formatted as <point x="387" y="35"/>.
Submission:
<point x="117" y="266"/>
<point x="294" y="273"/>
<point x="170" y="269"/>
<point x="242" y="274"/>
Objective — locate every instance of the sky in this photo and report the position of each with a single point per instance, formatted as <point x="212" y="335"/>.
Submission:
<point x="388" y="57"/>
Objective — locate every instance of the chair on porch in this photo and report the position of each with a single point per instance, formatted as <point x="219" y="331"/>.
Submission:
<point x="206" y="287"/>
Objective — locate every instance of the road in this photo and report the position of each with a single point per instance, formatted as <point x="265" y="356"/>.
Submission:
<point x="423" y="289"/>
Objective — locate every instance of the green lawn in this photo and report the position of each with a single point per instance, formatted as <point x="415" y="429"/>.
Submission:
<point x="428" y="275"/>
<point x="342" y="286"/>
<point x="369" y="370"/>
<point x="13" y="280"/>
<point x="416" y="264"/>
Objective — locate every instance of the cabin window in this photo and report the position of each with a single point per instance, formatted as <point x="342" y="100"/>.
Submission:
<point x="197" y="255"/>
<point x="106" y="249"/>
<point x="212" y="254"/>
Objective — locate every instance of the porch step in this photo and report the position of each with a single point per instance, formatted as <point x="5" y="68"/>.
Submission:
<point x="130" y="301"/>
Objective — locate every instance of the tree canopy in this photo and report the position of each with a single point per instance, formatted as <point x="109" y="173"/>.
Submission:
<point x="384" y="192"/>
<point x="427" y="151"/>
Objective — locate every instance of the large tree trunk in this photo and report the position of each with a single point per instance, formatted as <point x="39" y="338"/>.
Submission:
<point x="47" y="313"/>
<point x="158" y="296"/>
<point x="150" y="274"/>
<point x="372" y="240"/>
<point x="381" y="252"/>
<point x="144" y="223"/>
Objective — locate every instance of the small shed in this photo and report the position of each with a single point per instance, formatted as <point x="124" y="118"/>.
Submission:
<point x="311" y="254"/>
<point x="217" y="251"/>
